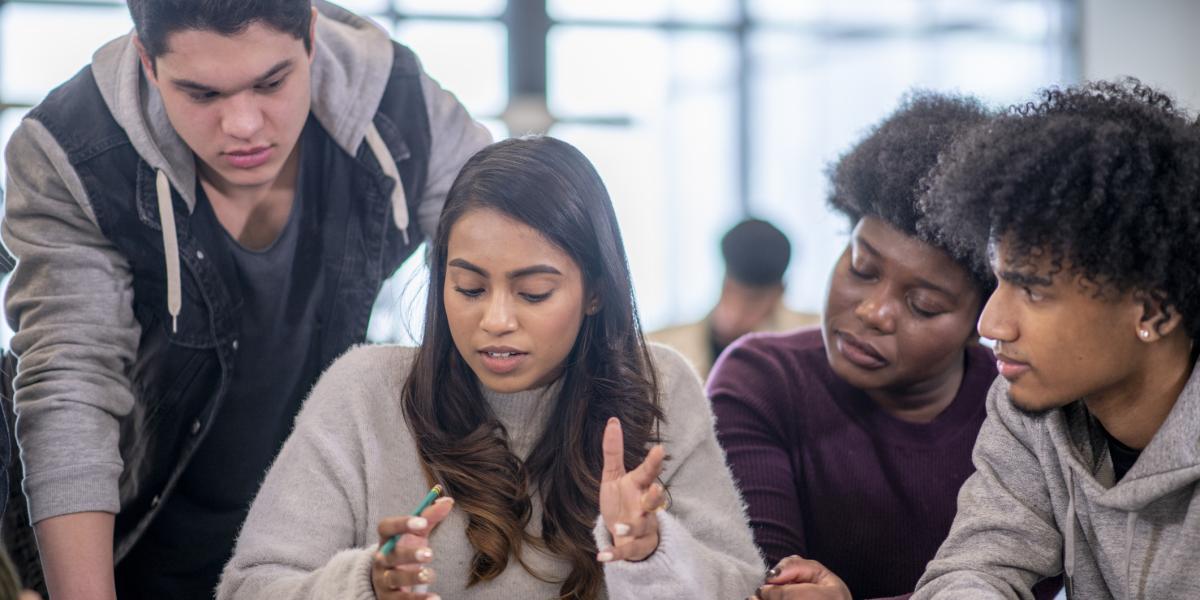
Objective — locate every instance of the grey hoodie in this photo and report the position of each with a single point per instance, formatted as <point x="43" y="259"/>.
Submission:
<point x="70" y="297"/>
<point x="1043" y="502"/>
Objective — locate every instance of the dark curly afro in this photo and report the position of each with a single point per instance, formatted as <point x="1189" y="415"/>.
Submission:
<point x="1104" y="177"/>
<point x="882" y="174"/>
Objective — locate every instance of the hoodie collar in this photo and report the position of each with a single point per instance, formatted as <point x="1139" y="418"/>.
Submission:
<point x="349" y="74"/>
<point x="1170" y="462"/>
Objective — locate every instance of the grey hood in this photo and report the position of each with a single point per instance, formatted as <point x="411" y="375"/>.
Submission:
<point x="349" y="74"/>
<point x="1170" y="463"/>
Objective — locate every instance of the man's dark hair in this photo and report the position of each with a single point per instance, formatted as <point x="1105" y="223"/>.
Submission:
<point x="882" y="175"/>
<point x="1103" y="177"/>
<point x="756" y="253"/>
<point x="155" y="20"/>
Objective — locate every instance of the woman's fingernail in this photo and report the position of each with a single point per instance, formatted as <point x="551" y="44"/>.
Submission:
<point x="621" y="529"/>
<point x="604" y="556"/>
<point x="444" y="501"/>
<point x="423" y="554"/>
<point x="773" y="573"/>
<point x="418" y="523"/>
<point x="425" y="575"/>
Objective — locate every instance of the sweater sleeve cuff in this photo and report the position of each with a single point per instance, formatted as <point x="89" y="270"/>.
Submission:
<point x="667" y="573"/>
<point x="361" y="587"/>
<point x="74" y="489"/>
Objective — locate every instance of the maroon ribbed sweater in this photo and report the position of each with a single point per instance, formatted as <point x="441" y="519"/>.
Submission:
<point x="830" y="476"/>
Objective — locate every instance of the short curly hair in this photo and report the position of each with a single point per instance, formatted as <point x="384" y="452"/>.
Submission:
<point x="1104" y="177"/>
<point x="881" y="176"/>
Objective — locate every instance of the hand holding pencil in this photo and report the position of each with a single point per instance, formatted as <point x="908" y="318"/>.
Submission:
<point x="400" y="570"/>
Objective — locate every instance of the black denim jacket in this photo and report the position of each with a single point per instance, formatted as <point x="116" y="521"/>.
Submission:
<point x="180" y="376"/>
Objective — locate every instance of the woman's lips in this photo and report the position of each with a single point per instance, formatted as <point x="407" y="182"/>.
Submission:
<point x="249" y="159"/>
<point x="502" y="363"/>
<point x="859" y="353"/>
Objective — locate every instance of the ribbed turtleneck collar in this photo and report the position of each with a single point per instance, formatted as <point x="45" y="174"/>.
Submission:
<point x="523" y="414"/>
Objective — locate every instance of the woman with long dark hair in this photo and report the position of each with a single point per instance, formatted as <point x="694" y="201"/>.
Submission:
<point x="536" y="405"/>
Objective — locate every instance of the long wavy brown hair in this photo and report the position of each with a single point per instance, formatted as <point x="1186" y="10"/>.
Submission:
<point x="550" y="186"/>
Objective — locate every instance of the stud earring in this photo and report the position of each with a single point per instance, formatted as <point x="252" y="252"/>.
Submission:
<point x="1145" y="334"/>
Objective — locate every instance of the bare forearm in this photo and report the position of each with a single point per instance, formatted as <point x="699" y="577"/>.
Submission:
<point x="77" y="555"/>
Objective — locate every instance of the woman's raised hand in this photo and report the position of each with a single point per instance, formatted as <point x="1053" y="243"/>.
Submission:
<point x="394" y="576"/>
<point x="628" y="500"/>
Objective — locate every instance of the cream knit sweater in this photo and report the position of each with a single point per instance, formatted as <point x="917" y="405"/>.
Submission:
<point x="351" y="461"/>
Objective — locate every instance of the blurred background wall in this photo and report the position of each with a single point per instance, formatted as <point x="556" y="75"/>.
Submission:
<point x="696" y="112"/>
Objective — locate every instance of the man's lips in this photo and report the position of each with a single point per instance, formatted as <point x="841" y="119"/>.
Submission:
<point x="1011" y="368"/>
<point x="859" y="352"/>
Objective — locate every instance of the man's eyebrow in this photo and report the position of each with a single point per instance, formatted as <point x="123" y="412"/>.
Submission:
<point x="188" y="84"/>
<point x="865" y="244"/>
<point x="273" y="71"/>
<point x="1024" y="279"/>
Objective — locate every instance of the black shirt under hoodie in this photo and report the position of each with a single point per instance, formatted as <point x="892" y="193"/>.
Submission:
<point x="1123" y="456"/>
<point x="192" y="538"/>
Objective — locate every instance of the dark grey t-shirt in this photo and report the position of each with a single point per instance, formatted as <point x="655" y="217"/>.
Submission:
<point x="274" y="368"/>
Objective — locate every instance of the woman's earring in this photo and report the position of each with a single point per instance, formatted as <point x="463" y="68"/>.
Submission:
<point x="1145" y="333"/>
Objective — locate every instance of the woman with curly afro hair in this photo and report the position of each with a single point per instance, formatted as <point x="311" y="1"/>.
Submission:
<point x="1087" y="206"/>
<point x="850" y="441"/>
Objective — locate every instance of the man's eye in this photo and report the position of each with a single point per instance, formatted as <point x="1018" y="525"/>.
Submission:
<point x="860" y="274"/>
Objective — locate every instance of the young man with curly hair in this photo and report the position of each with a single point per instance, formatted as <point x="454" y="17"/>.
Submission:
<point x="1088" y="205"/>
<point x="202" y="218"/>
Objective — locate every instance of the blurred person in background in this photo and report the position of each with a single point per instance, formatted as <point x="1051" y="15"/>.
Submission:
<point x="756" y="256"/>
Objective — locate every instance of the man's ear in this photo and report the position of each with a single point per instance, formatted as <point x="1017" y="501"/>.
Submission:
<point x="147" y="62"/>
<point x="1157" y="318"/>
<point x="312" y="35"/>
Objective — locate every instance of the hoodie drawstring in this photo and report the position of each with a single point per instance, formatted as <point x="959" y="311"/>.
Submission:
<point x="399" y="200"/>
<point x="1069" y="534"/>
<point x="1069" y="541"/>
<point x="166" y="215"/>
<point x="1130" y="523"/>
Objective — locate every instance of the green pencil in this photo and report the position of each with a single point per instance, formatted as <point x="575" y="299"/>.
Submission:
<point x="429" y="498"/>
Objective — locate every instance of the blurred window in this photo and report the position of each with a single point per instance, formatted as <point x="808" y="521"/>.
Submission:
<point x="695" y="112"/>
